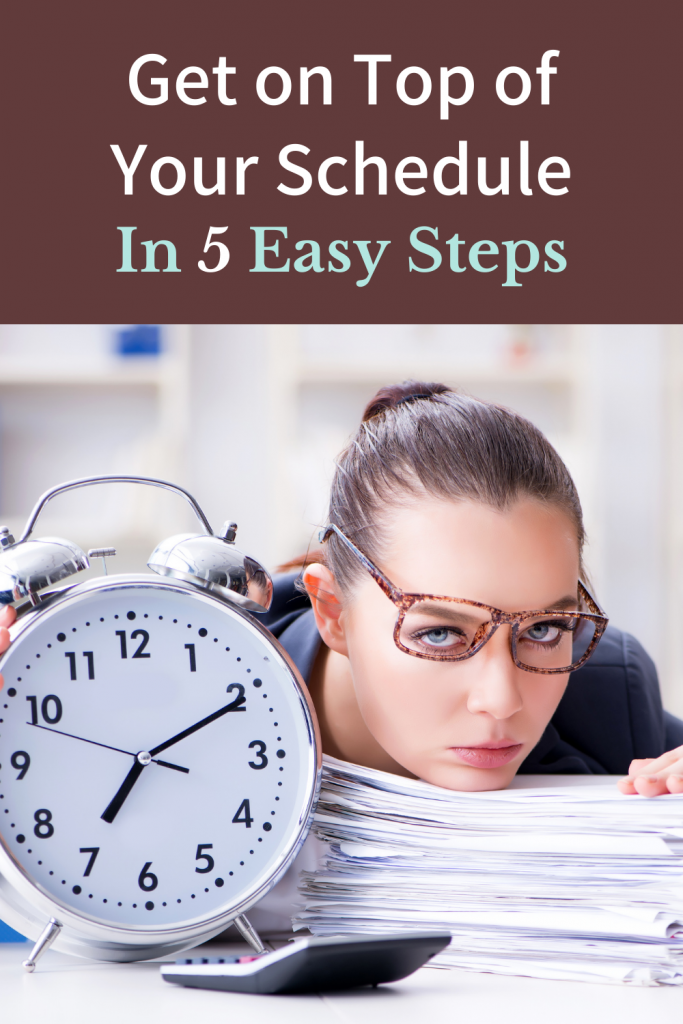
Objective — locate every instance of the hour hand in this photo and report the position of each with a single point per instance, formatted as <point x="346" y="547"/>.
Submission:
<point x="141" y="761"/>
<point x="124" y="789"/>
<point x="144" y="758"/>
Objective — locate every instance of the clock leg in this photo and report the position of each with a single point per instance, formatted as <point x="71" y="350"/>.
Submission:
<point x="249" y="933"/>
<point x="45" y="940"/>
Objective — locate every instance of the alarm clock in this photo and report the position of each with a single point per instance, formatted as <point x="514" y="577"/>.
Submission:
<point x="159" y="753"/>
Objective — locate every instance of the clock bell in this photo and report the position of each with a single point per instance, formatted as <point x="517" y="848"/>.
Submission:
<point x="207" y="560"/>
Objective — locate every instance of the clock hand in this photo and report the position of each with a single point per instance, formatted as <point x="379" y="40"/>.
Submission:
<point x="167" y="764"/>
<point x="136" y="771"/>
<point x="164" y="764"/>
<point x="198" y="725"/>
<point x="117" y="803"/>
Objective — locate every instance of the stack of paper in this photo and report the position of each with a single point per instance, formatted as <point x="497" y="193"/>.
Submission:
<point x="574" y="882"/>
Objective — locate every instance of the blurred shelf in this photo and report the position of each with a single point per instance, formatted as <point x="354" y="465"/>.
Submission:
<point x="141" y="371"/>
<point x="71" y="412"/>
<point x="88" y="530"/>
<point x="540" y="372"/>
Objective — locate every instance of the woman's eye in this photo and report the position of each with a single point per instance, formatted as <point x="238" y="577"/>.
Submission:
<point x="437" y="637"/>
<point x="544" y="632"/>
<point x="441" y="637"/>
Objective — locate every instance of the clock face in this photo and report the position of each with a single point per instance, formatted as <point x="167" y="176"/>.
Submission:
<point x="156" y="758"/>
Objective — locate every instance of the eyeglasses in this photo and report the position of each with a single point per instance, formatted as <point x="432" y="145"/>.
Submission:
<point x="452" y="629"/>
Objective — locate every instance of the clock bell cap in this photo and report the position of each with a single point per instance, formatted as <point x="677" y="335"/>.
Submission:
<point x="33" y="565"/>
<point x="215" y="564"/>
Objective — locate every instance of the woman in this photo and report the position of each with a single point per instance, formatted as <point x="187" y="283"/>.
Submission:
<point x="441" y="497"/>
<point x="440" y="494"/>
<point x="448" y="607"/>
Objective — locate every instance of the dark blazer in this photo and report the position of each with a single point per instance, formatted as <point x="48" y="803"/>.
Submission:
<point x="610" y="713"/>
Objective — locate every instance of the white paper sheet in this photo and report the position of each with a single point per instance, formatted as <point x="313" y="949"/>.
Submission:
<point x="566" y="881"/>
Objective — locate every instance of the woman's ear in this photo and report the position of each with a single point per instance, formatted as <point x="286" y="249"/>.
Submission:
<point x="327" y="608"/>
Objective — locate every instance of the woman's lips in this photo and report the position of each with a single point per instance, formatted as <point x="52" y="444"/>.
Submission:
<point x="493" y="756"/>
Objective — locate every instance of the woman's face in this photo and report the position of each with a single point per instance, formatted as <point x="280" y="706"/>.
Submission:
<point x="462" y="725"/>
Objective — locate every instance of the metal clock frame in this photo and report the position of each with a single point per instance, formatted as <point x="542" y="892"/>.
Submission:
<point x="29" y="908"/>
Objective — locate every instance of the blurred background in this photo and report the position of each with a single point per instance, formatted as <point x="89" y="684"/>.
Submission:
<point x="249" y="418"/>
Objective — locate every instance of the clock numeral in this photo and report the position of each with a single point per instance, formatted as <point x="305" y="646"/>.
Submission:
<point x="121" y="634"/>
<point x="71" y="655"/>
<point x="193" y="660"/>
<point x="205" y="856"/>
<point x="143" y="643"/>
<point x="239" y="700"/>
<point x="45" y="708"/>
<point x="93" y="851"/>
<point x="21" y="761"/>
<point x="44" y="827"/>
<point x="247" y="819"/>
<point x="260" y="753"/>
<point x="147" y="880"/>
<point x="50" y="716"/>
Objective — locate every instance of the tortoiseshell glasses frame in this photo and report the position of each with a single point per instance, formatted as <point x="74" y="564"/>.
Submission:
<point x="594" y="618"/>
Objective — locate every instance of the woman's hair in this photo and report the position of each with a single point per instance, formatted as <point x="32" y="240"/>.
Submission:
<point x="420" y="439"/>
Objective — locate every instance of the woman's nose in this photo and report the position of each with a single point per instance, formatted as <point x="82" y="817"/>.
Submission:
<point x="495" y="689"/>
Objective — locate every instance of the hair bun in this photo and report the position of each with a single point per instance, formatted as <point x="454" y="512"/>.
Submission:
<point x="393" y="395"/>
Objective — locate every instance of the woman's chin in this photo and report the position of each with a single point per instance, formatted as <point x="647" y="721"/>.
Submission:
<point x="466" y="778"/>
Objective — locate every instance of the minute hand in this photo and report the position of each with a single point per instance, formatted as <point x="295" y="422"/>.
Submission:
<point x="198" y="725"/>
<point x="136" y="771"/>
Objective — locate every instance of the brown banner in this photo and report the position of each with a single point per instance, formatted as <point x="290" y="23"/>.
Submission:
<point x="76" y="247"/>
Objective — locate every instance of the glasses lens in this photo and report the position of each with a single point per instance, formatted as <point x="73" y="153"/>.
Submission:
<point x="554" y="642"/>
<point x="443" y="629"/>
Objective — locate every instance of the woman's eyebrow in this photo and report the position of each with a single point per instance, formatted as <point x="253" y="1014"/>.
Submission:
<point x="445" y="610"/>
<point x="458" y="614"/>
<point x="564" y="603"/>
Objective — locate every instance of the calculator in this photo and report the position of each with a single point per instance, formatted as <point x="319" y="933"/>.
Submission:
<point x="313" y="964"/>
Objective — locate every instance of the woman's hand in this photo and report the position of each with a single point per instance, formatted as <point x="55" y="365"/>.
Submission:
<point x="7" y="617"/>
<point x="653" y="776"/>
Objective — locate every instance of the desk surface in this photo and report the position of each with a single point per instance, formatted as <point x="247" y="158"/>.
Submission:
<point x="67" y="990"/>
<point x="64" y="990"/>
